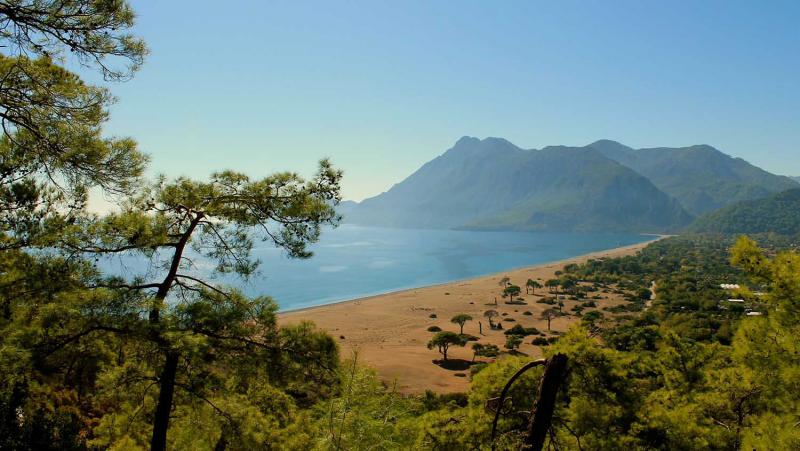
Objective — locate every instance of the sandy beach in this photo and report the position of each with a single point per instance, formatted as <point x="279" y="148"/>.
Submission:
<point x="389" y="331"/>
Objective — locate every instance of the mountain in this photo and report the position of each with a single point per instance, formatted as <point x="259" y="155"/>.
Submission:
<point x="701" y="177"/>
<point x="796" y="179"/>
<point x="493" y="184"/>
<point x="779" y="213"/>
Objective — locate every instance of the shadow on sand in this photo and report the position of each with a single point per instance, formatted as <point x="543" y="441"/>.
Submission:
<point x="453" y="364"/>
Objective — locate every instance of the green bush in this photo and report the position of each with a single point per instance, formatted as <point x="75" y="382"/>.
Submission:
<point x="540" y="341"/>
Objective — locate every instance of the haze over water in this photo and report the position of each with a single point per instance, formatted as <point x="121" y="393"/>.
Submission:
<point x="355" y="261"/>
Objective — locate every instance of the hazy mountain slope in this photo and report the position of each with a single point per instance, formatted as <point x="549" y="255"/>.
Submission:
<point x="795" y="178"/>
<point x="465" y="182"/>
<point x="701" y="177"/>
<point x="493" y="184"/>
<point x="779" y="213"/>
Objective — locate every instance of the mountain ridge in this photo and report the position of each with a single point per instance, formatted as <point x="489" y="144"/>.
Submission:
<point x="701" y="177"/>
<point x="778" y="213"/>
<point x="493" y="184"/>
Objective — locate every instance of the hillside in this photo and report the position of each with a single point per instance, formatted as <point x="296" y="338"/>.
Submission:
<point x="701" y="177"/>
<point x="779" y="213"/>
<point x="493" y="184"/>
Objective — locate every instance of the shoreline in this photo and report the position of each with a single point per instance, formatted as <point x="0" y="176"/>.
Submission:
<point x="390" y="331"/>
<point x="641" y="244"/>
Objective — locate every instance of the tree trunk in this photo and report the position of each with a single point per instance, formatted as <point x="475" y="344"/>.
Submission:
<point x="167" y="381"/>
<point x="222" y="443"/>
<point x="554" y="374"/>
<point x="164" y="407"/>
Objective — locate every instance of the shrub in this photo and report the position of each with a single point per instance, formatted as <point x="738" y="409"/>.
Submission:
<point x="476" y="368"/>
<point x="513" y="342"/>
<point x="540" y="341"/>
<point x="522" y="331"/>
<point x="434" y="329"/>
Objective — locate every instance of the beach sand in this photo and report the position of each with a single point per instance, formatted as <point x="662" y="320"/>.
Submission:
<point x="389" y="331"/>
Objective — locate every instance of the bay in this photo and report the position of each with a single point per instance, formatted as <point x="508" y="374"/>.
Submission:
<point x="356" y="261"/>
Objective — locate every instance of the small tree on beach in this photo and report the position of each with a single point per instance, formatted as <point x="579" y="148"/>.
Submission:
<point x="490" y="315"/>
<point x="552" y="284"/>
<point x="548" y="315"/>
<point x="513" y="342"/>
<point x="511" y="291"/>
<point x="568" y="285"/>
<point x="461" y="319"/>
<point x="482" y="350"/>
<point x="504" y="281"/>
<point x="592" y="318"/>
<point x="443" y="341"/>
<point x="531" y="286"/>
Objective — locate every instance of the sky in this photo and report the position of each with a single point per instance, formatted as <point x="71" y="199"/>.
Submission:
<point x="381" y="87"/>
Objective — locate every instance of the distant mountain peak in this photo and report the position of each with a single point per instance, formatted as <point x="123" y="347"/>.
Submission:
<point x="471" y="141"/>
<point x="603" y="144"/>
<point x="491" y="183"/>
<point x="470" y="144"/>
<point x="701" y="177"/>
<point x="706" y="148"/>
<point x="466" y="141"/>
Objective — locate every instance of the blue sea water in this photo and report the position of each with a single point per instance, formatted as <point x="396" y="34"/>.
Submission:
<point x="355" y="261"/>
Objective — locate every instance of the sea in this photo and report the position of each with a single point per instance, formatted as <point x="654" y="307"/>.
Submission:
<point x="353" y="261"/>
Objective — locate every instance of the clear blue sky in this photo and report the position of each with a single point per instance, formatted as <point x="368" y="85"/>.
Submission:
<point x="382" y="87"/>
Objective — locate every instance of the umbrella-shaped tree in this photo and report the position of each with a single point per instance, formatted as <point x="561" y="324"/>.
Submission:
<point x="444" y="340"/>
<point x="461" y="319"/>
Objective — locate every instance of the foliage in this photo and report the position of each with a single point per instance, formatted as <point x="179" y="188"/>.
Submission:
<point x="510" y="291"/>
<point x="779" y="213"/>
<point x="461" y="319"/>
<point x="444" y="340"/>
<point x="484" y="350"/>
<point x="531" y="286"/>
<point x="518" y="329"/>
<point x="365" y="414"/>
<point x="513" y="342"/>
<point x="491" y="315"/>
